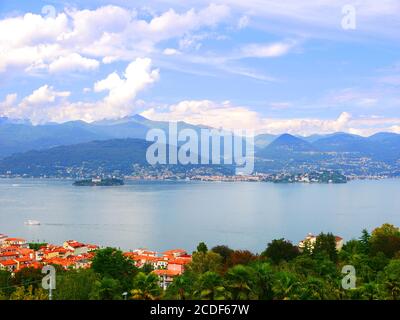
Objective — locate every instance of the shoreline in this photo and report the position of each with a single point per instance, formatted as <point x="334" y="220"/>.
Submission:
<point x="208" y="179"/>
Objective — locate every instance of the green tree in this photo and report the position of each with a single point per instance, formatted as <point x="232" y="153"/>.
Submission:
<point x="181" y="288"/>
<point x="107" y="289"/>
<point x="325" y="267"/>
<point x="263" y="280"/>
<point x="304" y="265"/>
<point x="369" y="291"/>
<point x="28" y="276"/>
<point x="350" y="248"/>
<point x="280" y="250"/>
<point x="147" y="268"/>
<point x="203" y="262"/>
<point x="386" y="229"/>
<point x="76" y="285"/>
<point x="314" y="289"/>
<point x="202" y="247"/>
<point x="28" y="293"/>
<point x="385" y="239"/>
<point x="365" y="241"/>
<point x="391" y="279"/>
<point x="243" y="257"/>
<point x="224" y="251"/>
<point x="6" y="283"/>
<point x="36" y="245"/>
<point x="240" y="282"/>
<point x="286" y="286"/>
<point x="326" y="244"/>
<point x="210" y="286"/>
<point x="363" y="266"/>
<point x="3" y="296"/>
<point x="146" y="287"/>
<point x="111" y="263"/>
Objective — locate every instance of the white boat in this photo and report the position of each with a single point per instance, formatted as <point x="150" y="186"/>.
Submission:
<point x="32" y="223"/>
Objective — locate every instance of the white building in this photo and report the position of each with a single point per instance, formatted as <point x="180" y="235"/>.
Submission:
<point x="311" y="239"/>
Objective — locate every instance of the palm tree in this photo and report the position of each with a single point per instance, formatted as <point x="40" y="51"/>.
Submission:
<point x="370" y="291"/>
<point x="240" y="282"/>
<point x="263" y="281"/>
<point x="391" y="279"/>
<point x="180" y="288"/>
<point x="313" y="289"/>
<point x="286" y="286"/>
<point x="106" y="289"/>
<point x="210" y="286"/>
<point x="146" y="287"/>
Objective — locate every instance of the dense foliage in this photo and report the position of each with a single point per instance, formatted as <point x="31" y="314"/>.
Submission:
<point x="281" y="271"/>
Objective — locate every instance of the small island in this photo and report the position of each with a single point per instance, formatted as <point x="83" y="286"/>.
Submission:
<point x="94" y="182"/>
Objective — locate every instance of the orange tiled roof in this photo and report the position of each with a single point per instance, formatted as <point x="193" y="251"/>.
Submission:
<point x="60" y="261"/>
<point x="180" y="261"/>
<point x="170" y="273"/>
<point x="25" y="251"/>
<point x="171" y="252"/>
<point x="9" y="254"/>
<point x="75" y="244"/>
<point x="10" y="248"/>
<point x="8" y="262"/>
<point x="23" y="259"/>
<point x="15" y="239"/>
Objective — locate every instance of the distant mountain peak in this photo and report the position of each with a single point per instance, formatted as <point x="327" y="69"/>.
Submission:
<point x="138" y="117"/>
<point x="289" y="143"/>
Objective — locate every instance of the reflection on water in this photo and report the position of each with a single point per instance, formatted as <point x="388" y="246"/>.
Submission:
<point x="162" y="215"/>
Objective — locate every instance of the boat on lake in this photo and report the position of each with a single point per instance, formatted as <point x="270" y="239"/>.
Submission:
<point x="32" y="223"/>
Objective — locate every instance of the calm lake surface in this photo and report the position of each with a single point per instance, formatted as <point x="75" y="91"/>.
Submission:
<point x="164" y="215"/>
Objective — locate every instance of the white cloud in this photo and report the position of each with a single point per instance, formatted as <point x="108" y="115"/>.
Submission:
<point x="75" y="39"/>
<point x="206" y="112"/>
<point x="9" y="100"/>
<point x="122" y="91"/>
<point x="355" y="97"/>
<point x="228" y="116"/>
<point x="31" y="29"/>
<point x="44" y="95"/>
<point x="317" y="18"/>
<point x="307" y="126"/>
<point x="73" y="62"/>
<point x="267" y="50"/>
<point x="171" y="52"/>
<point x="46" y="104"/>
<point x="243" y="22"/>
<point x="170" y="24"/>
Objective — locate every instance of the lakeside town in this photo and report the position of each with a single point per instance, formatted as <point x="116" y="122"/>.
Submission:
<point x="319" y="267"/>
<point x="283" y="177"/>
<point x="17" y="254"/>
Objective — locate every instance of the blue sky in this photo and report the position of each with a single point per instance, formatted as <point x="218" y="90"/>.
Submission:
<point x="257" y="64"/>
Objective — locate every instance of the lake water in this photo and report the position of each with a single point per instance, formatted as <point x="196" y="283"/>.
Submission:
<point x="165" y="215"/>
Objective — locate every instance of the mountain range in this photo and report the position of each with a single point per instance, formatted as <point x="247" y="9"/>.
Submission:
<point x="114" y="145"/>
<point x="19" y="136"/>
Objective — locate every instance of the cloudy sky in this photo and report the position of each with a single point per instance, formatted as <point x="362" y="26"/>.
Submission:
<point x="297" y="66"/>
